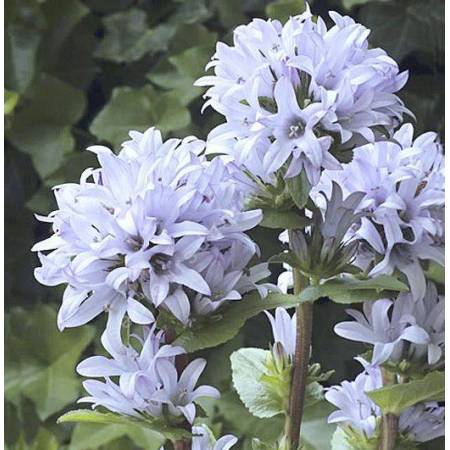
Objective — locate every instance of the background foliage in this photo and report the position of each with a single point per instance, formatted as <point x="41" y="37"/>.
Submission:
<point x="85" y="71"/>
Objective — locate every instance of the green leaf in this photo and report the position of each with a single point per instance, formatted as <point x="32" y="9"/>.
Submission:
<point x="402" y="29"/>
<point x="349" y="4"/>
<point x="396" y="398"/>
<point x="230" y="12"/>
<point x="87" y="436"/>
<point x="61" y="18"/>
<point x="138" y="109"/>
<point x="128" y="37"/>
<point x="316" y="431"/>
<point x="221" y="328"/>
<point x="353" y="290"/>
<point x="24" y="25"/>
<point x="157" y="425"/>
<point x="10" y="102"/>
<point x="283" y="9"/>
<point x="436" y="273"/>
<point x="248" y="367"/>
<point x="299" y="188"/>
<point x="40" y="361"/>
<point x="273" y="218"/>
<point x="42" y="128"/>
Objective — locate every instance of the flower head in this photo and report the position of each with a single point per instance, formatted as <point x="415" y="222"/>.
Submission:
<point x="419" y="423"/>
<point x="147" y="379"/>
<point x="413" y="331"/>
<point x="289" y="91"/>
<point x="403" y="185"/>
<point x="145" y="226"/>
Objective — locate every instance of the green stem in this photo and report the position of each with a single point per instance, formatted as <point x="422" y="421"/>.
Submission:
<point x="297" y="394"/>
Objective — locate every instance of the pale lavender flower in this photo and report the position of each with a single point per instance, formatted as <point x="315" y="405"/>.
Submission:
<point x="423" y="422"/>
<point x="202" y="439"/>
<point x="148" y="378"/>
<point x="355" y="407"/>
<point x="284" y="329"/>
<point x="413" y="331"/>
<point x="179" y="392"/>
<point x="143" y="227"/>
<point x="285" y="89"/>
<point x="403" y="183"/>
<point x="419" y="423"/>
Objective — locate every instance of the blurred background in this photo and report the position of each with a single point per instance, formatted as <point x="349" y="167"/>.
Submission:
<point x="80" y="72"/>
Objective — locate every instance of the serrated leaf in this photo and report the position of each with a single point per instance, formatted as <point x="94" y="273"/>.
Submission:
<point x="273" y="218"/>
<point x="248" y="367"/>
<point x="221" y="328"/>
<point x="396" y="398"/>
<point x="299" y="188"/>
<point x="155" y="424"/>
<point x="353" y="290"/>
<point x="283" y="9"/>
<point x="138" y="109"/>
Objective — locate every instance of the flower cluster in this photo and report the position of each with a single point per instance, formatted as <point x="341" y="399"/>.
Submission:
<point x="420" y="423"/>
<point x="413" y="332"/>
<point x="403" y="183"/>
<point x="147" y="380"/>
<point x="158" y="224"/>
<point x="288" y="92"/>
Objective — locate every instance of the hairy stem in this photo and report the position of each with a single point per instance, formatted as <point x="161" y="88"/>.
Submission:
<point x="389" y="430"/>
<point x="389" y="422"/>
<point x="301" y="361"/>
<point x="181" y="361"/>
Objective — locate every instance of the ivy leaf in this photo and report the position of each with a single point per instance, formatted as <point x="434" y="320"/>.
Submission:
<point x="402" y="30"/>
<point x="10" y="102"/>
<point x="248" y="367"/>
<point x="299" y="188"/>
<point x="224" y="326"/>
<point x="24" y="25"/>
<point x="283" y="9"/>
<point x="137" y="109"/>
<point x="42" y="128"/>
<point x="353" y="290"/>
<point x="273" y="218"/>
<point x="128" y="37"/>
<point x="41" y="361"/>
<point x="397" y="397"/>
<point x="158" y="425"/>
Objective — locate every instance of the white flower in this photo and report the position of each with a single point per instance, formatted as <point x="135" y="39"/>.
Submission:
<point x="147" y="378"/>
<point x="419" y="423"/>
<point x="284" y="329"/>
<point x="414" y="330"/>
<point x="145" y="226"/>
<point x="403" y="184"/>
<point x="288" y="91"/>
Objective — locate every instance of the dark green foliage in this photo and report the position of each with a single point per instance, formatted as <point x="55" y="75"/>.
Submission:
<point x="79" y="72"/>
